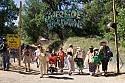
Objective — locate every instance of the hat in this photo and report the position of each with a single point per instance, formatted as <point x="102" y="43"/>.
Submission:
<point x="70" y="45"/>
<point x="91" y="47"/>
<point x="47" y="50"/>
<point x="103" y="43"/>
<point x="39" y="46"/>
<point x="95" y="49"/>
<point x="78" y="48"/>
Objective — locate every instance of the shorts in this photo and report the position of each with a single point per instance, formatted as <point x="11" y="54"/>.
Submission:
<point x="26" y="59"/>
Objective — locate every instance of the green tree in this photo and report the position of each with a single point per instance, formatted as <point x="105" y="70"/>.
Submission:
<point x="33" y="19"/>
<point x="92" y="14"/>
<point x="96" y="15"/>
<point x="121" y="25"/>
<point x="8" y="13"/>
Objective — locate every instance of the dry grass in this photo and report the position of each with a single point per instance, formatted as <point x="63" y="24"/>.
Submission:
<point x="85" y="43"/>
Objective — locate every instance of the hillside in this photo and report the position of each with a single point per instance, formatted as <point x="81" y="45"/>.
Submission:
<point x="85" y="43"/>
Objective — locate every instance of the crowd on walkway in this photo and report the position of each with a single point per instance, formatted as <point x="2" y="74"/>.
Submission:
<point x="56" y="60"/>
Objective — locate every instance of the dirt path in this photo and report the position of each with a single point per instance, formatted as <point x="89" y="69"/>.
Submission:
<point x="18" y="75"/>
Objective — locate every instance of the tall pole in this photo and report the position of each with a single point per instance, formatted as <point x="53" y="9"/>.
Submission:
<point x="116" y="37"/>
<point x="20" y="29"/>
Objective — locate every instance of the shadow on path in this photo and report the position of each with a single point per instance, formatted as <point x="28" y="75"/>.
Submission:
<point x="84" y="73"/>
<point x="21" y="70"/>
<point x="65" y="78"/>
<point x="109" y="74"/>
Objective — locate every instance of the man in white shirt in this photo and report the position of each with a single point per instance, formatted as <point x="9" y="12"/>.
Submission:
<point x="37" y="52"/>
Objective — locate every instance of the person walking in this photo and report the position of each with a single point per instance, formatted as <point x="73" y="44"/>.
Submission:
<point x="43" y="62"/>
<point x="14" y="53"/>
<point x="27" y="57"/>
<point x="79" y="56"/>
<point x="92" y="66"/>
<point x="36" y="53"/>
<point x="70" y="59"/>
<point x="60" y="59"/>
<point x="97" y="61"/>
<point x="104" y="51"/>
<point x="4" y="49"/>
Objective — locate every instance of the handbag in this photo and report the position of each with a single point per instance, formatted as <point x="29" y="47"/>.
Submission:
<point x="76" y="59"/>
<point x="91" y="60"/>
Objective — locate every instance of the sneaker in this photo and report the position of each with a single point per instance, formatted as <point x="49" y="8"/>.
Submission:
<point x="61" y="71"/>
<point x="29" y="70"/>
<point x="4" y="69"/>
<point x="90" y="74"/>
<point x="7" y="69"/>
<point x="103" y="74"/>
<point x="98" y="71"/>
<point x="37" y="66"/>
<point x="81" y="71"/>
<point x="70" y="73"/>
<point x="41" y="76"/>
<point x="26" y="69"/>
<point x="93" y="74"/>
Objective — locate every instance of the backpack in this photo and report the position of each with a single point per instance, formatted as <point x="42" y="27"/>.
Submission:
<point x="96" y="59"/>
<point x="3" y="47"/>
<point x="100" y="55"/>
<point x="110" y="53"/>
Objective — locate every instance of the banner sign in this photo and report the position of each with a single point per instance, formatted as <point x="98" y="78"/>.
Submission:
<point x="64" y="17"/>
<point x="13" y="40"/>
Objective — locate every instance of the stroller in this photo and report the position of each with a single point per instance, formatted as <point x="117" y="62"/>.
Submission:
<point x="52" y="67"/>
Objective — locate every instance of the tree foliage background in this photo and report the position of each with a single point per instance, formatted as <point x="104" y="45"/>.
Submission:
<point x="8" y="13"/>
<point x="96" y="15"/>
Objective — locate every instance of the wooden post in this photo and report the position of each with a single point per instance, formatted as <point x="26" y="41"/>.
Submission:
<point x="20" y="29"/>
<point x="116" y="37"/>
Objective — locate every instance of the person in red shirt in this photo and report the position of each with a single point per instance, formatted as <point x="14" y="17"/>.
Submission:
<point x="52" y="60"/>
<point x="52" y="63"/>
<point x="60" y="57"/>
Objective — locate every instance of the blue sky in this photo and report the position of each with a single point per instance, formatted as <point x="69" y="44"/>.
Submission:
<point x="17" y="2"/>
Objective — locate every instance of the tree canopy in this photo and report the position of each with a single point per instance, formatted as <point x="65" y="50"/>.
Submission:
<point x="8" y="13"/>
<point x="96" y="15"/>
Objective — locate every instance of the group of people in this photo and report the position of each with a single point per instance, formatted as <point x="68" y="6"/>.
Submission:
<point x="45" y="59"/>
<point x="92" y="59"/>
<point x="96" y="57"/>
